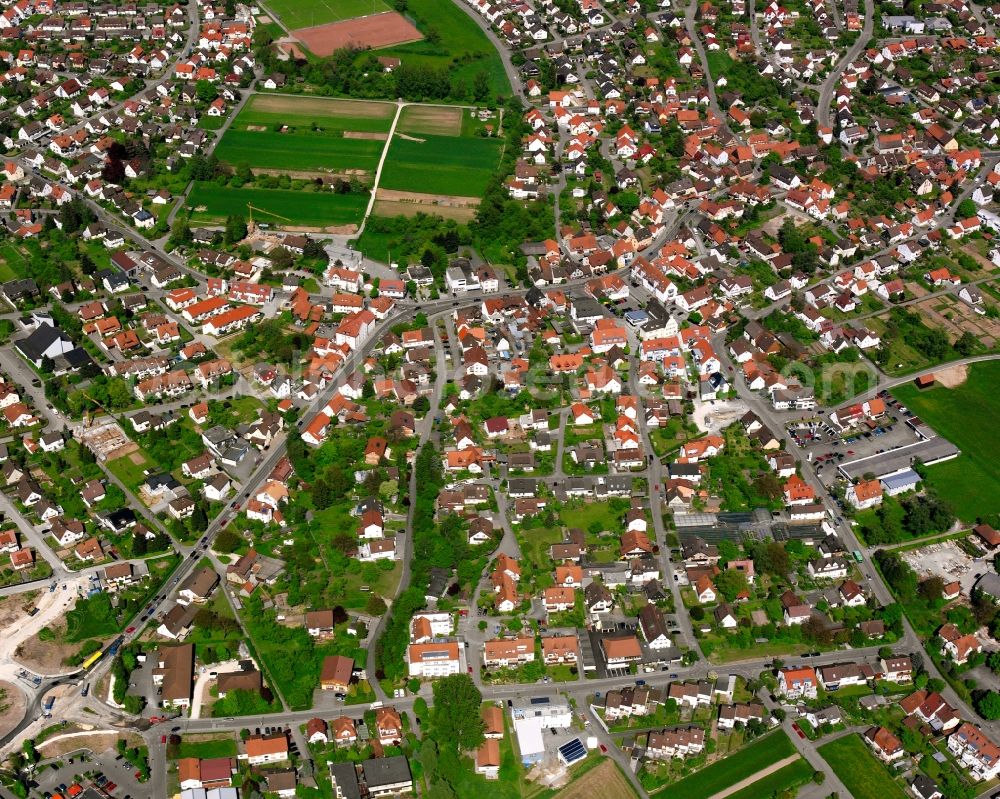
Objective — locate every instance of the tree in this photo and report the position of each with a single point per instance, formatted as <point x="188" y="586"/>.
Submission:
<point x="206" y="91"/>
<point x="375" y="605"/>
<point x="988" y="705"/>
<point x="322" y="496"/>
<point x="481" y="85"/>
<point x="199" y="518"/>
<point x="931" y="589"/>
<point x="966" y="209"/>
<point x="458" y="723"/>
<point x="967" y="344"/>
<point x="139" y="545"/>
<point x="236" y="229"/>
<point x="226" y="541"/>
<point x="730" y="583"/>
<point x="771" y="558"/>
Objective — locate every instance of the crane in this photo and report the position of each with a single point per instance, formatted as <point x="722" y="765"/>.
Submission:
<point x="88" y="420"/>
<point x="251" y="208"/>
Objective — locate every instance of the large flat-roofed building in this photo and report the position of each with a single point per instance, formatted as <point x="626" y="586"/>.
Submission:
<point x="532" y="718"/>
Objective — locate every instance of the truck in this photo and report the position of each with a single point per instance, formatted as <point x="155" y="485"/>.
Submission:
<point x="47" y="707"/>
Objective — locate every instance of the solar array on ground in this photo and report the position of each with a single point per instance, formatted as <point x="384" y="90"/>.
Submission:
<point x="572" y="752"/>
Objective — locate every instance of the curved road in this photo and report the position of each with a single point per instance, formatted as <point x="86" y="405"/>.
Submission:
<point x="833" y="79"/>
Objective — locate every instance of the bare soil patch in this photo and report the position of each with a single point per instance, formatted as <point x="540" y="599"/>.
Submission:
<point x="96" y="742"/>
<point x="323" y="106"/>
<point x="46" y="657"/>
<point x="16" y="607"/>
<point x="256" y="128"/>
<point x="12" y="707"/>
<point x="408" y="137"/>
<point x="363" y="134"/>
<point x="427" y="199"/>
<point x="378" y="30"/>
<point x="336" y="230"/>
<point x="327" y="176"/>
<point x="289" y="48"/>
<point x="387" y="208"/>
<point x="951" y="376"/>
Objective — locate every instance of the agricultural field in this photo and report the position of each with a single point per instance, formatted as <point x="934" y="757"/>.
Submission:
<point x="212" y="203"/>
<point x="441" y="165"/>
<point x="725" y="773"/>
<point x="604" y="780"/>
<point x="437" y="163"/>
<point x="300" y="136"/>
<point x="306" y="13"/>
<point x="858" y="769"/>
<point x="970" y="483"/>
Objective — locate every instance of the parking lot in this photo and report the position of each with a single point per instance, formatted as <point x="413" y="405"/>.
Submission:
<point x="872" y="448"/>
<point x="110" y="777"/>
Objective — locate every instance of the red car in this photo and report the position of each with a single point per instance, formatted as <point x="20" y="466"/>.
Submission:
<point x="798" y="732"/>
<point x="604" y="749"/>
<point x="129" y="630"/>
<point x="163" y="739"/>
<point x="470" y="669"/>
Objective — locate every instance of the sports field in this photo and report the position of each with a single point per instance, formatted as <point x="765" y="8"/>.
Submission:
<point x="453" y="165"/>
<point x="306" y="13"/>
<point x="212" y="203"/>
<point x="307" y="135"/>
<point x="858" y="769"/>
<point x="970" y="483"/>
<point x="731" y="770"/>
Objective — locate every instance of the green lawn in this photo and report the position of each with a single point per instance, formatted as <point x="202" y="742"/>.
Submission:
<point x="306" y="13"/>
<point x="783" y="779"/>
<point x="461" y="45"/>
<point x="12" y="263"/>
<point x="590" y="512"/>
<point x="719" y="776"/>
<point x="460" y="166"/>
<point x="209" y="748"/>
<point x="129" y="472"/>
<point x="213" y="203"/>
<point x="91" y="618"/>
<point x="858" y="769"/>
<point x="971" y="482"/>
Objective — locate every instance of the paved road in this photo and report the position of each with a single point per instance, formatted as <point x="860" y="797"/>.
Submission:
<point x="833" y="79"/>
